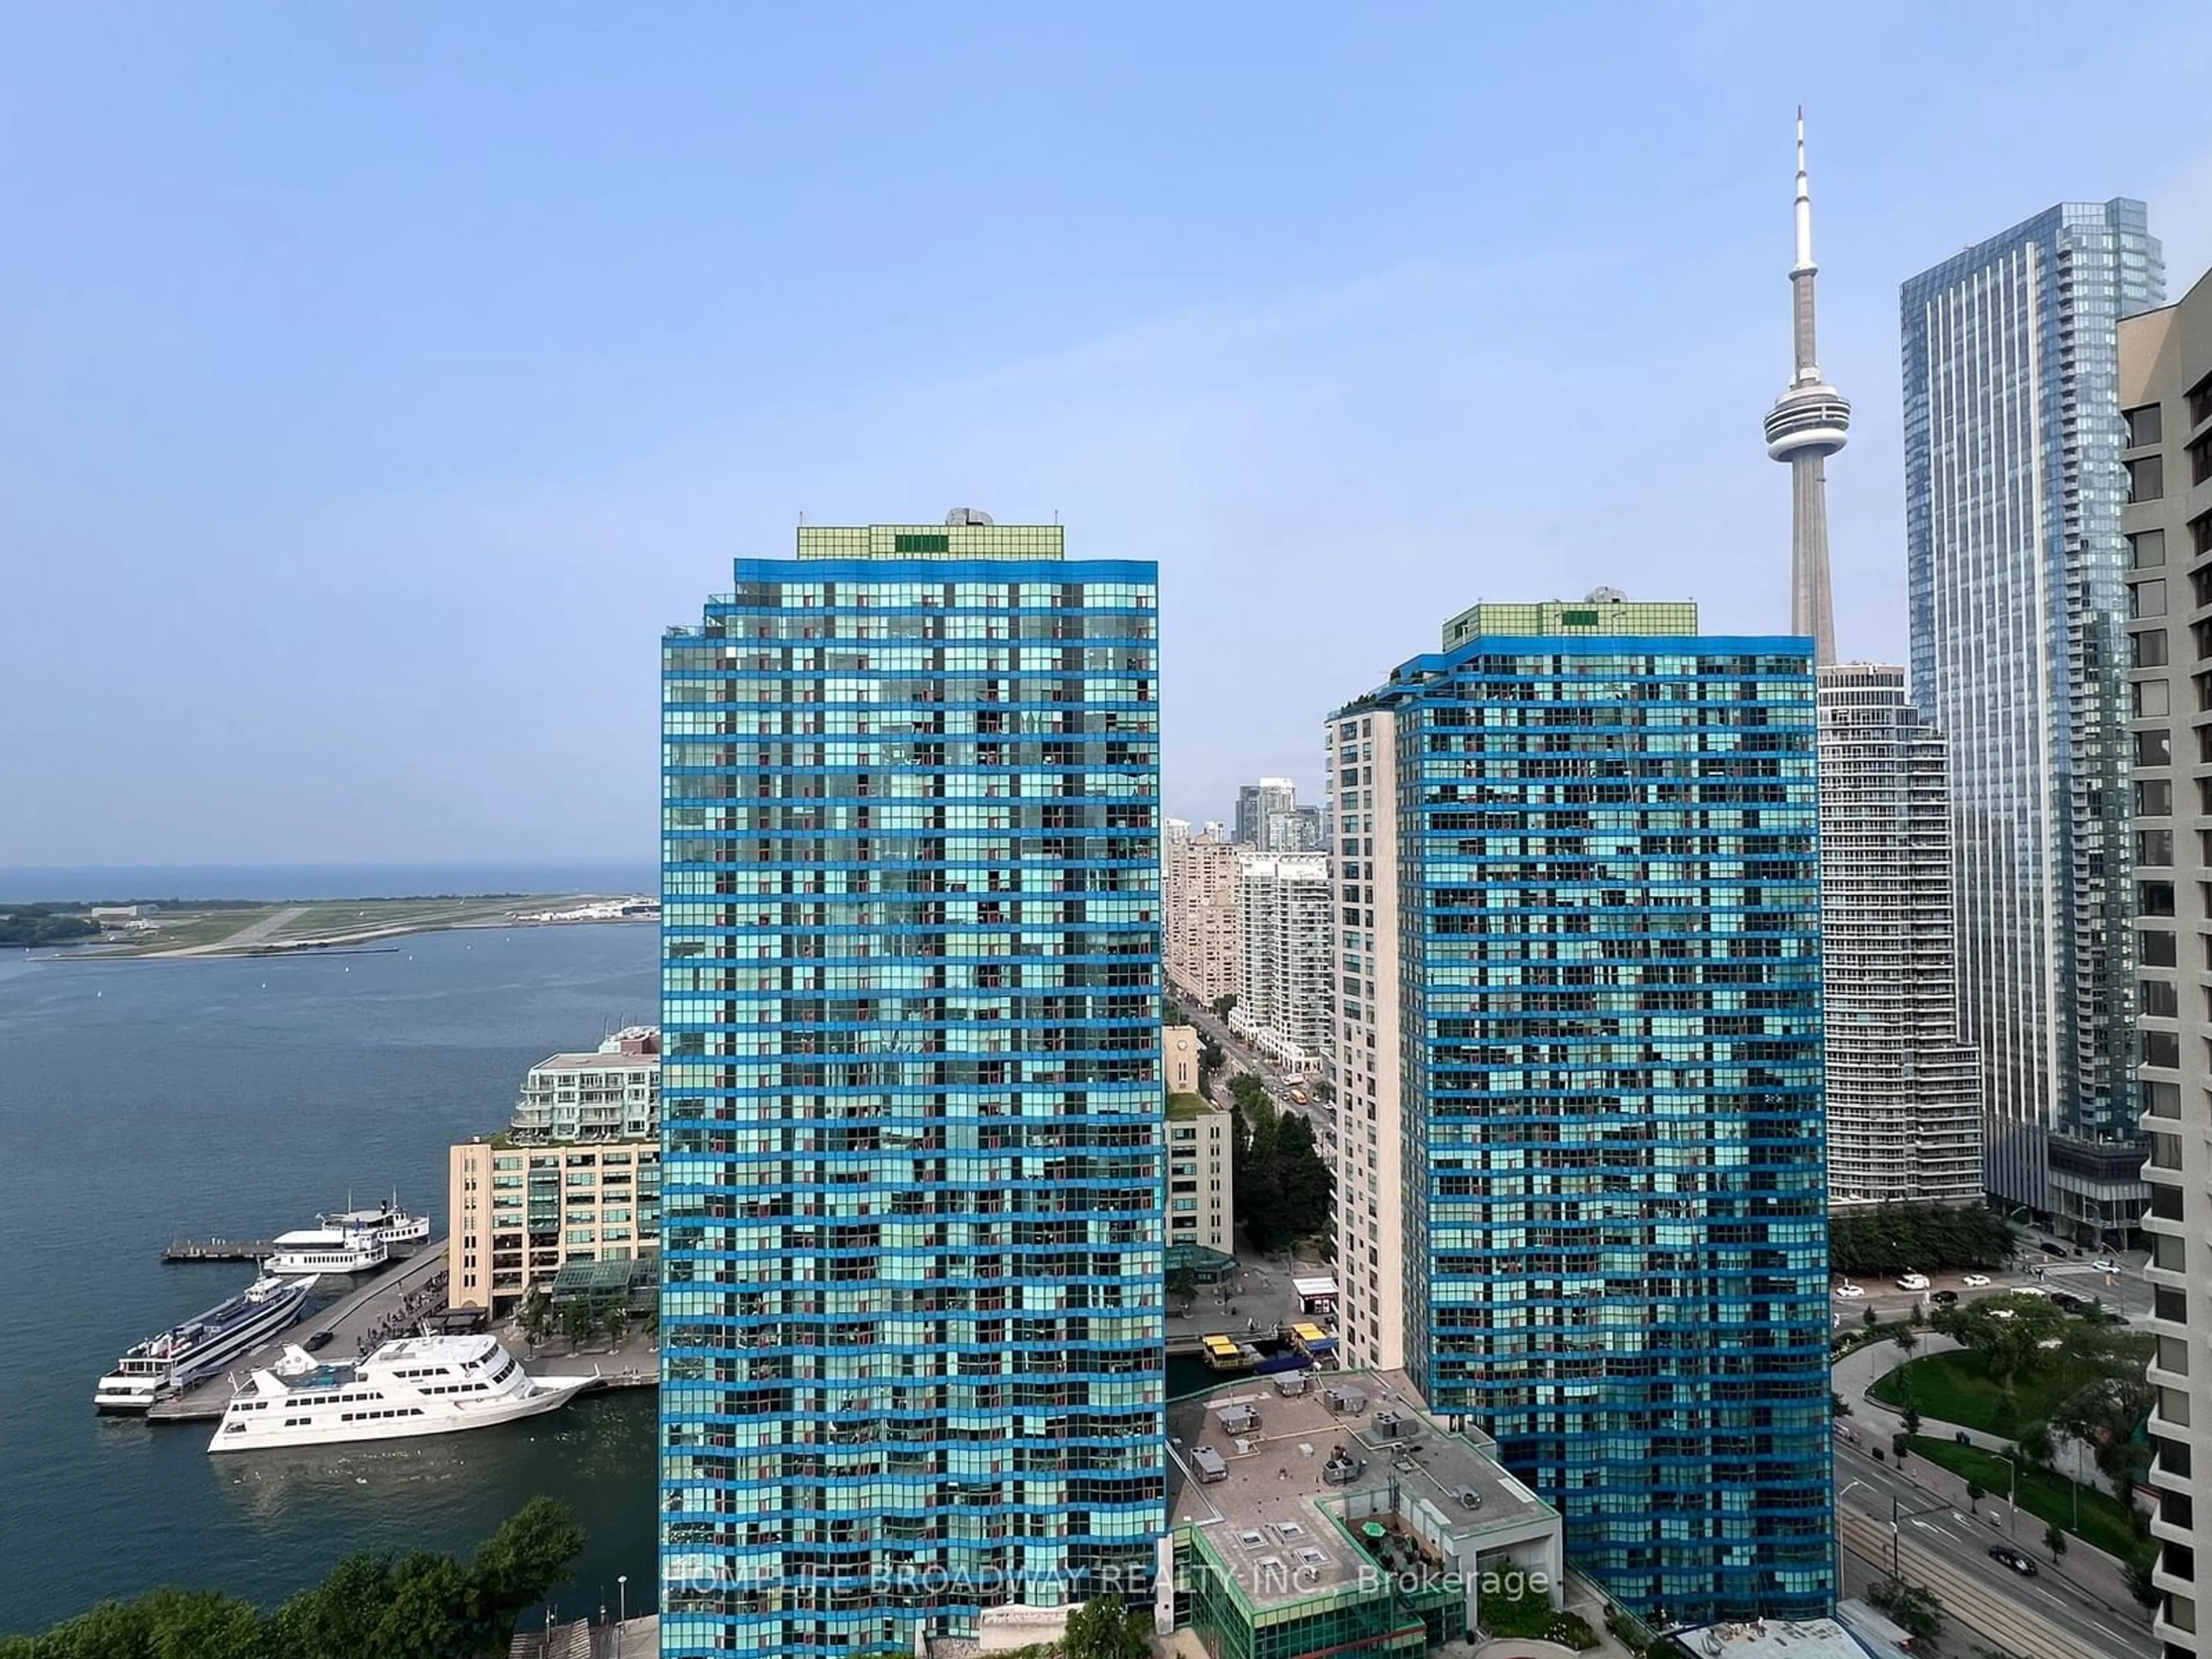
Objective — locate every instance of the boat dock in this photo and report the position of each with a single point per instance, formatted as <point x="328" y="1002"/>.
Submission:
<point x="219" y="1249"/>
<point x="244" y="1249"/>
<point x="348" y="1319"/>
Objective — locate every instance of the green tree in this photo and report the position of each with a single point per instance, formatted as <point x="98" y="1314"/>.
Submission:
<point x="1870" y="1319"/>
<point x="1917" y="1611"/>
<point x="2036" y="1449"/>
<point x="576" y="1321"/>
<point x="1224" y="1007"/>
<point x="2054" y="1540"/>
<point x="1183" y="1283"/>
<point x="1837" y="1405"/>
<point x="2139" y="1586"/>
<point x="535" y="1314"/>
<point x="1105" y="1628"/>
<point x="1974" y="1496"/>
<point x="1910" y="1418"/>
<point x="1905" y="1339"/>
<point x="617" y="1322"/>
<point x="532" y="1554"/>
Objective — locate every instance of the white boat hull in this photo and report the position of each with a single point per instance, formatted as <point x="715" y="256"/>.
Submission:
<point x="129" y="1392"/>
<point x="556" y="1391"/>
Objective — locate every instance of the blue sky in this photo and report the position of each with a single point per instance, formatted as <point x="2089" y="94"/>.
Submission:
<point x="376" y="382"/>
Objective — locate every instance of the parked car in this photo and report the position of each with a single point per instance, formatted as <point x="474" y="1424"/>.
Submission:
<point x="1912" y="1282"/>
<point x="1849" y="1290"/>
<point x="1975" y="1281"/>
<point x="2104" y="1264"/>
<point x="1944" y="1298"/>
<point x="2014" y="1558"/>
<point x="2066" y="1303"/>
<point x="320" y="1340"/>
<point x="2054" y="1250"/>
<point x="1963" y="1437"/>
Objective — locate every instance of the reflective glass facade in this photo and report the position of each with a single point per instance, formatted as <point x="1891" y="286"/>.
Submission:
<point x="1606" y="983"/>
<point x="2014" y="486"/>
<point x="912" y="1103"/>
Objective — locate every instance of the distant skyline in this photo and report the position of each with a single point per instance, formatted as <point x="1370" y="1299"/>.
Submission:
<point x="379" y="383"/>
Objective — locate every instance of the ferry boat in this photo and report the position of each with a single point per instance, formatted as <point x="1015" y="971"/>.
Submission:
<point x="326" y="1250"/>
<point x="415" y="1385"/>
<point x="201" y="1346"/>
<point x="388" y="1221"/>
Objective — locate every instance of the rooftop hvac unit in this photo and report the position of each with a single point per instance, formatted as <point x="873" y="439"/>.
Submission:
<point x="1469" y="1499"/>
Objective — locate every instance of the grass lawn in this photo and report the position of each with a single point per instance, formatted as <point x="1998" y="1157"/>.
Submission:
<point x="2047" y="1497"/>
<point x="1953" y="1387"/>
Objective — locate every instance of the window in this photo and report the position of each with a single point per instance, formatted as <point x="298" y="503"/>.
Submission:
<point x="2160" y="999"/>
<point x="2200" y="402"/>
<point x="2148" y="649"/>
<point x="2155" y="846"/>
<point x="2147" y="478"/>
<point x="2161" y="1048"/>
<point x="2155" y="950"/>
<point x="2153" y="749"/>
<point x="2147" y="549"/>
<point x="2144" y="426"/>
<point x="2147" y="599"/>
<point x="2200" y="459"/>
<point x="2151" y="698"/>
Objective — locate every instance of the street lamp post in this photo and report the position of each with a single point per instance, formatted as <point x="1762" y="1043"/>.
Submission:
<point x="621" y="1609"/>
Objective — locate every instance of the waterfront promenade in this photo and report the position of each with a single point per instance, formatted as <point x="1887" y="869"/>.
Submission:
<point x="350" y="1320"/>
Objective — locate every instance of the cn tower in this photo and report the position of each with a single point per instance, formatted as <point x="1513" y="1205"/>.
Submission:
<point x="1807" y="425"/>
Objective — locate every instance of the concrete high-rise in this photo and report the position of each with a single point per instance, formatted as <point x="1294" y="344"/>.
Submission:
<point x="2015" y="562"/>
<point x="1282" y="963"/>
<point x="2164" y="393"/>
<point x="914" y="1116"/>
<point x="1905" y="1094"/>
<point x="1809" y="423"/>
<point x="1257" y="802"/>
<point x="1578" y="1082"/>
<point x="1203" y="937"/>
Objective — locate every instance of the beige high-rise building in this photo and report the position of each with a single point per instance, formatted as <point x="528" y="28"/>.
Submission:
<point x="1364" y="1073"/>
<point x="1202" y="937"/>
<point x="1201" y="1198"/>
<point x="575" y="1178"/>
<point x="2165" y="403"/>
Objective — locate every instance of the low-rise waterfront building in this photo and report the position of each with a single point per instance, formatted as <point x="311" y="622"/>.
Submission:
<point x="575" y="1177"/>
<point x="1201" y="1201"/>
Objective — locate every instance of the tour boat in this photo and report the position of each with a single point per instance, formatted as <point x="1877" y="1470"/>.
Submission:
<point x="415" y="1385"/>
<point x="388" y="1221"/>
<point x="327" y="1250"/>
<point x="201" y="1346"/>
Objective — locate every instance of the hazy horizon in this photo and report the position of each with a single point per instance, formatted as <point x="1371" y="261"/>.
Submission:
<point x="381" y="382"/>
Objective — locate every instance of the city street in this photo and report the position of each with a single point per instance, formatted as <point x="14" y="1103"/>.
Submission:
<point x="1242" y="1058"/>
<point x="1958" y="1543"/>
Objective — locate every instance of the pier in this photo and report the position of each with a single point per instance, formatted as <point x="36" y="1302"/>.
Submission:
<point x="219" y="1249"/>
<point x="245" y="1249"/>
<point x="359" y="1315"/>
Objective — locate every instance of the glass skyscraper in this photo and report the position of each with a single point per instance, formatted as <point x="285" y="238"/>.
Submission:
<point x="2014" y="486"/>
<point x="912" y="1113"/>
<point x="1578" y="1075"/>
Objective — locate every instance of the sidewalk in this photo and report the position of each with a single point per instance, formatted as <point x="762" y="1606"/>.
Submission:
<point x="2086" y="1567"/>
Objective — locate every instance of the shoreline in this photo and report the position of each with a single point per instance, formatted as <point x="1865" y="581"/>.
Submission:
<point x="370" y="941"/>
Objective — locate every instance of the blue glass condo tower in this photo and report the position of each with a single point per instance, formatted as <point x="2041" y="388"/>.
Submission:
<point x="1579" y="896"/>
<point x="911" y="1106"/>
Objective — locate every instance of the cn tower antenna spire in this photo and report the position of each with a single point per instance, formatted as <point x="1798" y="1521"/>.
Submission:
<point x="1807" y="425"/>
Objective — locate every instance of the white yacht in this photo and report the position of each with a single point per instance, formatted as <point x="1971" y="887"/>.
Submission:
<point x="415" y="1385"/>
<point x="161" y="1366"/>
<point x="326" y="1250"/>
<point x="389" y="1221"/>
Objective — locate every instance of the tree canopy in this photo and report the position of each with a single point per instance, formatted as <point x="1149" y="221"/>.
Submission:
<point x="1894" y="1238"/>
<point x="419" y="1606"/>
<point x="1105" y="1628"/>
<point x="1284" y="1187"/>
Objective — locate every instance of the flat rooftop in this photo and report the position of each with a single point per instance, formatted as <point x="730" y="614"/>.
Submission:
<point x="597" y="1062"/>
<point x="1266" y="1518"/>
<point x="1775" y="1638"/>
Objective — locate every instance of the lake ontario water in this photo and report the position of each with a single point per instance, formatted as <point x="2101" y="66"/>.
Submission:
<point x="146" y="1099"/>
